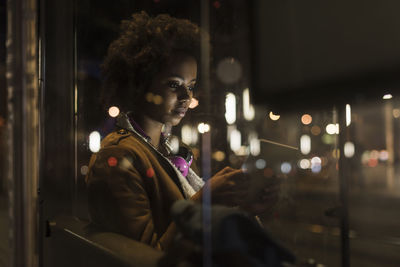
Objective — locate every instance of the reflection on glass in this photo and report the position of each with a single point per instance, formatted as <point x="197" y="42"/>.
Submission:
<point x="348" y="115"/>
<point x="113" y="111"/>
<point x="306" y="218"/>
<point x="94" y="141"/>
<point x="248" y="109"/>
<point x="349" y="149"/>
<point x="273" y="116"/>
<point x="305" y="144"/>
<point x="230" y="108"/>
<point x="306" y="119"/>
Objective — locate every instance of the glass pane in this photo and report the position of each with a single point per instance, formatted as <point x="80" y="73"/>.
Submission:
<point x="310" y="189"/>
<point x="225" y="129"/>
<point x="226" y="114"/>
<point x="4" y="213"/>
<point x="374" y="183"/>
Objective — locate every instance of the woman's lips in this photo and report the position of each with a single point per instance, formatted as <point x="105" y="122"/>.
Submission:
<point x="180" y="111"/>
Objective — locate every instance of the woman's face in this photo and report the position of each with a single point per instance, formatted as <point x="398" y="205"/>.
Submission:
<point x="171" y="91"/>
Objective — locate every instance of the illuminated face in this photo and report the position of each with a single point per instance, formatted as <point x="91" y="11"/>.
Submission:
<point x="171" y="91"/>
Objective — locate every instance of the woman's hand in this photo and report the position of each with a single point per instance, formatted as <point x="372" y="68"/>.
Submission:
<point x="228" y="187"/>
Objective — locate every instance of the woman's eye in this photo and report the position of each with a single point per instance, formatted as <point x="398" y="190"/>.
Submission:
<point x="176" y="85"/>
<point x="173" y="84"/>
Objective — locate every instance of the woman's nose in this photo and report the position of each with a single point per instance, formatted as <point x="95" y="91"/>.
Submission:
<point x="184" y="93"/>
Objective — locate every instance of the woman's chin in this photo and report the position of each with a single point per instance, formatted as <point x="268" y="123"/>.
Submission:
<point x="172" y="120"/>
<point x="175" y="121"/>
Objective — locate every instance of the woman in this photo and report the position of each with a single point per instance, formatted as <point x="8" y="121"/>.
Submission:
<point x="150" y="72"/>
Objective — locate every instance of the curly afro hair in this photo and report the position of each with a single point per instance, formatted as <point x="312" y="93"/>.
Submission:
<point x="141" y="51"/>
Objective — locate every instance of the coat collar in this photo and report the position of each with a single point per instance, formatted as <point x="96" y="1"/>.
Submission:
<point x="188" y="185"/>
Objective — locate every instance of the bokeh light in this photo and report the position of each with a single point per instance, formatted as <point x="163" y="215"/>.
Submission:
<point x="316" y="164"/>
<point x="316" y="168"/>
<point x="112" y="161"/>
<point x="248" y="109"/>
<point x="387" y="96"/>
<point x="348" y="115"/>
<point x="304" y="164"/>
<point x="374" y="154"/>
<point x="174" y="142"/>
<point x="216" y="4"/>
<point x="315" y="228"/>
<point x="268" y="172"/>
<point x="150" y="172"/>
<point x="396" y="113"/>
<point x="189" y="134"/>
<point x="328" y="139"/>
<point x="286" y="167"/>
<point x="157" y="99"/>
<point x="203" y="127"/>
<point x="372" y="162"/>
<point x="153" y="98"/>
<point x="254" y="144"/>
<point x="273" y="116"/>
<point x="84" y="170"/>
<point x="383" y="155"/>
<point x="365" y="157"/>
<point x="245" y="168"/>
<point x="149" y="97"/>
<point x="242" y="151"/>
<point x="218" y="155"/>
<point x="230" y="108"/>
<point x="235" y="140"/>
<point x="94" y="141"/>
<point x="315" y="130"/>
<point x="305" y="144"/>
<point x="316" y="161"/>
<point x="332" y="128"/>
<point x="186" y="134"/>
<point x="193" y="103"/>
<point x="229" y="70"/>
<point x="113" y="111"/>
<point x="349" y="149"/>
<point x="260" y="164"/>
<point x="306" y="119"/>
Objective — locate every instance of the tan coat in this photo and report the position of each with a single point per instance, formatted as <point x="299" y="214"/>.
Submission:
<point x="131" y="189"/>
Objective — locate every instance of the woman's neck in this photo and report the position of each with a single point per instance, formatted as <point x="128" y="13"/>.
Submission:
<point x="151" y="127"/>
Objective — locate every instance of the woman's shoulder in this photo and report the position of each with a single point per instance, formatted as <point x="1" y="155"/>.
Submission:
<point x="119" y="148"/>
<point x="121" y="139"/>
<point x="121" y="144"/>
